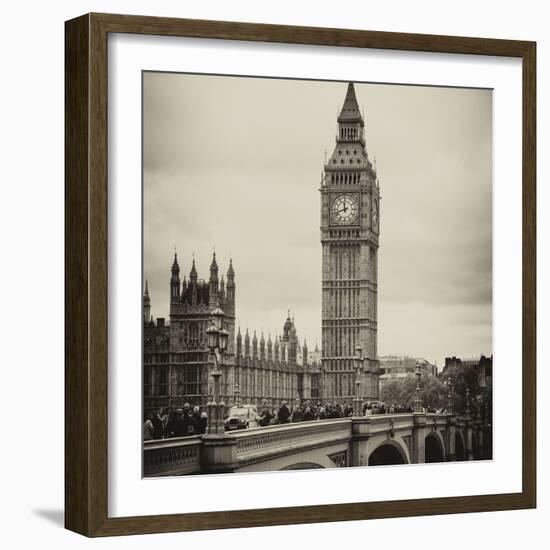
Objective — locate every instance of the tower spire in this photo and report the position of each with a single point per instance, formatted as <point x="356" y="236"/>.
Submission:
<point x="350" y="131"/>
<point x="213" y="283"/>
<point x="146" y="303"/>
<point x="193" y="273"/>
<point x="254" y="346"/>
<point x="175" y="265"/>
<point x="230" y="285"/>
<point x="175" y="280"/>
<point x="247" y="344"/>
<point x="214" y="264"/>
<point x="239" y="342"/>
<point x="350" y="109"/>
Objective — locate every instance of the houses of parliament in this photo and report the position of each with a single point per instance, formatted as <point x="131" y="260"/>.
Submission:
<point x="177" y="363"/>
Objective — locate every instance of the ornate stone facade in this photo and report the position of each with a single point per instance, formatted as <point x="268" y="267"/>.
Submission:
<point x="177" y="363"/>
<point x="276" y="370"/>
<point x="176" y="358"/>
<point x="350" y="198"/>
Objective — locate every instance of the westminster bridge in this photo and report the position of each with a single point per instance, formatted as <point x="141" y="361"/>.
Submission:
<point x="384" y="439"/>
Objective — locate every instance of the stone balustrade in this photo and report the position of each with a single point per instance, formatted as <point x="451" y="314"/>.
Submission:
<point x="273" y="441"/>
<point x="355" y="438"/>
<point x="176" y="456"/>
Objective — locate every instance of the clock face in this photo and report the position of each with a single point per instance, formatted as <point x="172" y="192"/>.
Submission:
<point x="344" y="209"/>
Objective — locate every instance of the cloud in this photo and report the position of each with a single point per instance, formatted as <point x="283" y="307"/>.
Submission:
<point x="235" y="163"/>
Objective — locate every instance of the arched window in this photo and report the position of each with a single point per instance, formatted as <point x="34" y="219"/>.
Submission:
<point x="194" y="334"/>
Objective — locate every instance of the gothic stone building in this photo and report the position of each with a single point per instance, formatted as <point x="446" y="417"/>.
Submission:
<point x="483" y="365"/>
<point x="177" y="363"/>
<point x="350" y="196"/>
<point x="276" y="370"/>
<point x="176" y="359"/>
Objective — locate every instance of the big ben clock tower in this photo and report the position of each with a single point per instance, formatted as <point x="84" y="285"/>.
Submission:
<point x="350" y="198"/>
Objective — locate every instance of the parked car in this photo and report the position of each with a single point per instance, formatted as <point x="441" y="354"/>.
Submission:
<point x="372" y="405"/>
<point x="241" y="417"/>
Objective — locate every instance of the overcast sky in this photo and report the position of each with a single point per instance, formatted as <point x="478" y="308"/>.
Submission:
<point x="235" y="163"/>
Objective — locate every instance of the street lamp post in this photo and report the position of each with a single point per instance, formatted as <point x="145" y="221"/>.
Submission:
<point x="479" y="404"/>
<point x="417" y="403"/>
<point x="358" y="360"/>
<point x="468" y="401"/>
<point x="450" y="395"/>
<point x="236" y="394"/>
<point x="486" y="408"/>
<point x="217" y="339"/>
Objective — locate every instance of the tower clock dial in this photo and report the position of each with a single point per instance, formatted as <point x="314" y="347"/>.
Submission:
<point x="344" y="209"/>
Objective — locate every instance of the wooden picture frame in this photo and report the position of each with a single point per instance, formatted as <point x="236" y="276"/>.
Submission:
<point x="86" y="276"/>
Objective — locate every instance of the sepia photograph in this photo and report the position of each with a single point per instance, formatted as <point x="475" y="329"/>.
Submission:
<point x="317" y="274"/>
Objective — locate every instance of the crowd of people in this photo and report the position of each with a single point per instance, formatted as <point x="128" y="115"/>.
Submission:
<point x="310" y="411"/>
<point x="192" y="421"/>
<point x="302" y="412"/>
<point x="179" y="423"/>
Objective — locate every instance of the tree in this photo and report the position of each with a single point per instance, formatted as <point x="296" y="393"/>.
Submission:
<point x="465" y="377"/>
<point x="400" y="391"/>
<point x="433" y="392"/>
<point x="391" y="392"/>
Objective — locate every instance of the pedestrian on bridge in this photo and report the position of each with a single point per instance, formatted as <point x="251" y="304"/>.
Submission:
<point x="203" y="422"/>
<point x="284" y="413"/>
<point x="308" y="415"/>
<point x="186" y="423"/>
<point x="265" y="414"/>
<point x="148" y="429"/>
<point x="158" y="426"/>
<point x="171" y="424"/>
<point x="198" y="421"/>
<point x="297" y="414"/>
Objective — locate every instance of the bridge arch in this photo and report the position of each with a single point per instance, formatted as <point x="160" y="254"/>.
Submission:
<point x="387" y="453"/>
<point x="434" y="448"/>
<point x="460" y="447"/>
<point x="476" y="446"/>
<point x="303" y="466"/>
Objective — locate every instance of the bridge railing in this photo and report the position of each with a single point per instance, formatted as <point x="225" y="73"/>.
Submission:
<point x="438" y="420"/>
<point x="255" y="444"/>
<point x="175" y="456"/>
<point x="184" y="455"/>
<point x="378" y="423"/>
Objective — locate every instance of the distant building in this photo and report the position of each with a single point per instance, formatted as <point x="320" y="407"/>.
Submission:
<point x="396" y="367"/>
<point x="482" y="364"/>
<point x="314" y="356"/>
